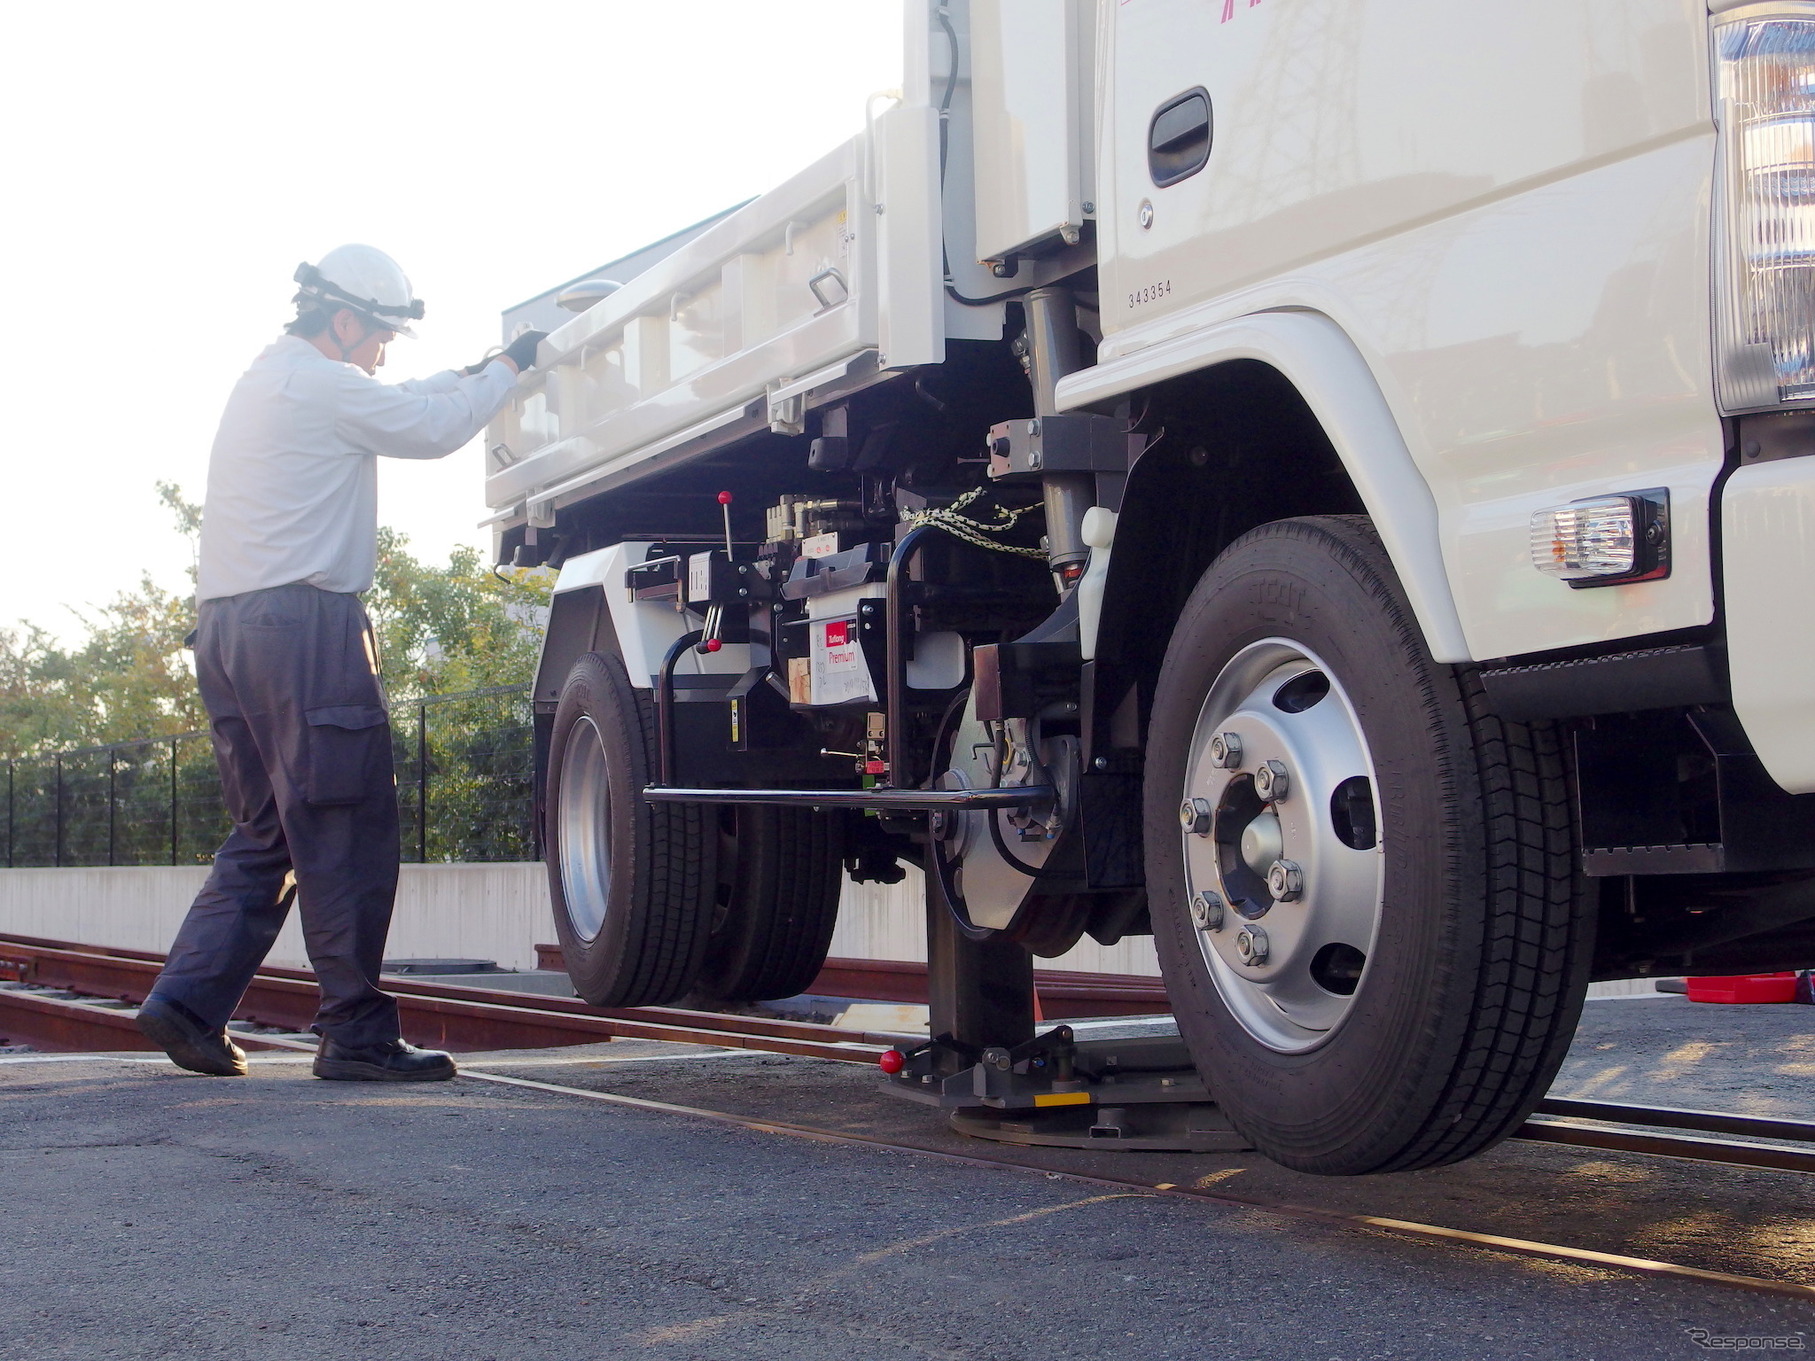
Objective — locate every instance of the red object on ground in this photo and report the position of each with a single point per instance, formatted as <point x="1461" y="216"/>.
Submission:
<point x="1753" y="987"/>
<point x="891" y="1061"/>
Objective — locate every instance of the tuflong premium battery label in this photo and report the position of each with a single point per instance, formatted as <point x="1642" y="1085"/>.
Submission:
<point x="839" y="672"/>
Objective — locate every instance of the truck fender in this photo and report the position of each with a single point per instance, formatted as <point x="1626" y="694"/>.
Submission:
<point x="592" y="611"/>
<point x="1315" y="355"/>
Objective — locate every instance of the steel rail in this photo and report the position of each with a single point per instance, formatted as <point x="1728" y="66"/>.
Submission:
<point x="1638" y="1266"/>
<point x="469" y="1018"/>
<point x="463" y="1018"/>
<point x="1727" y="1152"/>
<point x="1061" y="992"/>
<point x="447" y="1022"/>
<point x="1071" y="993"/>
<point x="1668" y="1117"/>
<point x="80" y="1027"/>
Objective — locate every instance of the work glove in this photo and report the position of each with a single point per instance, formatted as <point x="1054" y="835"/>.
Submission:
<point x="521" y="352"/>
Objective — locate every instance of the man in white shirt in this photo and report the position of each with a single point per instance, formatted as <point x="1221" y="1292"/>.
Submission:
<point x="288" y="670"/>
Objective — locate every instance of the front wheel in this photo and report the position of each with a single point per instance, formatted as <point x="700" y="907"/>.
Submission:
<point x="1363" y="883"/>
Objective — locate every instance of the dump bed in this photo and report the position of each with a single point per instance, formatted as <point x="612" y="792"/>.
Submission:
<point x="864" y="264"/>
<point x="826" y="281"/>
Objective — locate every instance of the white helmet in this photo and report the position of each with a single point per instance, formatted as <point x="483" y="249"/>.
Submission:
<point x="363" y="280"/>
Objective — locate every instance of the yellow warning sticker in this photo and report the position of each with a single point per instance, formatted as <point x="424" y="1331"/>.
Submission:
<point x="1063" y="1099"/>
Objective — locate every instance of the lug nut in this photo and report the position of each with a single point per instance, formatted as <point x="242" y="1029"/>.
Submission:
<point x="1251" y="945"/>
<point x="1207" y="910"/>
<point x="1226" y="751"/>
<point x="1271" y="782"/>
<point x="1195" y="816"/>
<point x="1286" y="881"/>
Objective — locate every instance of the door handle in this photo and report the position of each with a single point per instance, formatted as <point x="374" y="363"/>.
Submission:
<point x="1178" y="138"/>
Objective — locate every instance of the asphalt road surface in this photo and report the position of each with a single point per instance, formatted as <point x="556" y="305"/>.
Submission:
<point x="150" y="1213"/>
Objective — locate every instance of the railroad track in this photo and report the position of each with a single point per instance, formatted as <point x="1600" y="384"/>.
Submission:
<point x="77" y="998"/>
<point x="463" y="1019"/>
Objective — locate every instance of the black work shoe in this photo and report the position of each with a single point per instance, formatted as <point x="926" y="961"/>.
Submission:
<point x="189" y="1043"/>
<point x="397" y="1061"/>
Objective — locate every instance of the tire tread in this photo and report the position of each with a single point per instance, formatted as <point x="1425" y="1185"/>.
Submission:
<point x="650" y="954"/>
<point x="1505" y="987"/>
<point x="788" y="887"/>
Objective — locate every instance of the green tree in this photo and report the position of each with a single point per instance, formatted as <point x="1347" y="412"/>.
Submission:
<point x="462" y="626"/>
<point x="441" y="628"/>
<point x="127" y="677"/>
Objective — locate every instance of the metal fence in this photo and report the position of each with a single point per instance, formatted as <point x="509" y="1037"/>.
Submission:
<point x="465" y="791"/>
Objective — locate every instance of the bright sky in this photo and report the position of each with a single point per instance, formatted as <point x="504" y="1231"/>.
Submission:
<point x="167" y="166"/>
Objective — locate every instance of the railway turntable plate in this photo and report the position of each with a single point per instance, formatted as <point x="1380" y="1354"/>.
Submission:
<point x="1160" y="1127"/>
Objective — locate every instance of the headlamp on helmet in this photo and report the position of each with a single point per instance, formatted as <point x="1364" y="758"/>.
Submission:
<point x="363" y="280"/>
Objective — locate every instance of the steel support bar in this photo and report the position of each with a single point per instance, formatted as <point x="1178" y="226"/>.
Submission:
<point x="980" y="993"/>
<point x="881" y="800"/>
<point x="664" y="704"/>
<point x="895" y="620"/>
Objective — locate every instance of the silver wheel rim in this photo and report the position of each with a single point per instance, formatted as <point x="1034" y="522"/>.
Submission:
<point x="1316" y="922"/>
<point x="583" y="811"/>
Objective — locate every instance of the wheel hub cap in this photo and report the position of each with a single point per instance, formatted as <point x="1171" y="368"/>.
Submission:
<point x="1278" y="753"/>
<point x="584" y="818"/>
<point x="1260" y="843"/>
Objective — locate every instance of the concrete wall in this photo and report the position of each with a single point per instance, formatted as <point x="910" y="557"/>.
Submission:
<point x="465" y="911"/>
<point x="886" y="921"/>
<point x="495" y="912"/>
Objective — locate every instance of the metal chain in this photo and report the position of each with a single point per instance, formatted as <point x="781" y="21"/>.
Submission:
<point x="976" y="532"/>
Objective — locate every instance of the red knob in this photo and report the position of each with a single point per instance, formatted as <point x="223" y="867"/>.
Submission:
<point x="891" y="1061"/>
<point x="712" y="645"/>
<point x="724" y="498"/>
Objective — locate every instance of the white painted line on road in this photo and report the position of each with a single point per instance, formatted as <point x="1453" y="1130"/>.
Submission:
<point x="77" y="1058"/>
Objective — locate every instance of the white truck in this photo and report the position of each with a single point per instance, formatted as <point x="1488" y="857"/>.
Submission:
<point x="1325" y="482"/>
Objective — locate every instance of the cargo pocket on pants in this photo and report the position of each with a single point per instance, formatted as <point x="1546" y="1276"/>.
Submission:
<point x="348" y="746"/>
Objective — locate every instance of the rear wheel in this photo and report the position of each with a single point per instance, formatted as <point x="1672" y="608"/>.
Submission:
<point x="780" y="872"/>
<point x="632" y="881"/>
<point x="1363" y="883"/>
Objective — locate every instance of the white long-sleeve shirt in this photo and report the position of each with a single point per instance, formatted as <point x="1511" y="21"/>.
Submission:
<point x="293" y="477"/>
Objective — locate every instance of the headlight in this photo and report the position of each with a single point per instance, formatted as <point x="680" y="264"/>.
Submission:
<point x="1766" y="230"/>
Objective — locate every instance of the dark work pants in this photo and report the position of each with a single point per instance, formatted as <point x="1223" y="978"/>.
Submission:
<point x="290" y="679"/>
